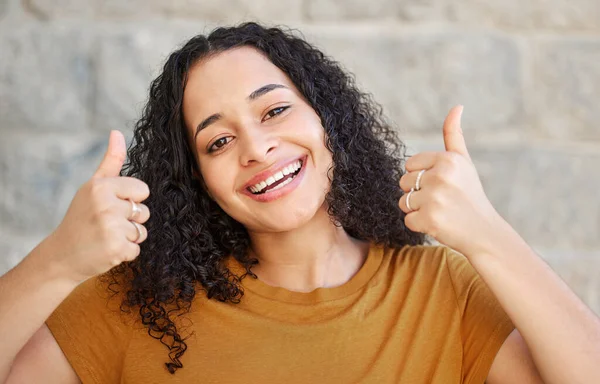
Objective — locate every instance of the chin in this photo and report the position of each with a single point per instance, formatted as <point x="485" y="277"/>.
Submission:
<point x="285" y="222"/>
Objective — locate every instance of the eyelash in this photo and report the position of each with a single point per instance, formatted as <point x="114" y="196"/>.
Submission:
<point x="211" y="148"/>
<point x="283" y="108"/>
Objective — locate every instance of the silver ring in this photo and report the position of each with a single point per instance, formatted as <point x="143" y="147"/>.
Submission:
<point x="138" y="228"/>
<point x="408" y="200"/>
<point x="418" y="183"/>
<point x="135" y="210"/>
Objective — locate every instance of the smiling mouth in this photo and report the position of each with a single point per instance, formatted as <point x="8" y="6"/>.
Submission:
<point x="278" y="183"/>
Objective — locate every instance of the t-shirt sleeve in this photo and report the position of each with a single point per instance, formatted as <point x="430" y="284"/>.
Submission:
<point x="484" y="323"/>
<point x="92" y="332"/>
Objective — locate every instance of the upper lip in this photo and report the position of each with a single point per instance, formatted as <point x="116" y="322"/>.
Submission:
<point x="271" y="171"/>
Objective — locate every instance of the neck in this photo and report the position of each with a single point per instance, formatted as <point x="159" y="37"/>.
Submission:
<point x="316" y="255"/>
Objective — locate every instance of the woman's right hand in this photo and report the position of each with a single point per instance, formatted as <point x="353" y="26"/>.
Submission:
<point x="98" y="230"/>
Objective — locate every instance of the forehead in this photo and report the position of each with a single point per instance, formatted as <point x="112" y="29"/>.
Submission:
<point x="234" y="73"/>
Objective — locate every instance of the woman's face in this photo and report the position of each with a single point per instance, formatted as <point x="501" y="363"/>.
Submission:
<point x="259" y="144"/>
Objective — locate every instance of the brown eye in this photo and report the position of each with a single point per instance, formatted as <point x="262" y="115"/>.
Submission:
<point x="219" y="143"/>
<point x="274" y="112"/>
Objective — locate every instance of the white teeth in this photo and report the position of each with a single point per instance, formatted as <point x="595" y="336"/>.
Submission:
<point x="256" y="188"/>
<point x="282" y="184"/>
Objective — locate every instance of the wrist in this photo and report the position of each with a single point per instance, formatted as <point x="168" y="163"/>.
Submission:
<point x="499" y="235"/>
<point x="45" y="261"/>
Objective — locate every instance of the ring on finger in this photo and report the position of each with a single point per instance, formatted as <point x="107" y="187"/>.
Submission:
<point x="138" y="228"/>
<point x="135" y="210"/>
<point x="408" y="200"/>
<point x="418" y="183"/>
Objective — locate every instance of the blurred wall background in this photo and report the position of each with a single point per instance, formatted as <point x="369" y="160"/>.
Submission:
<point x="528" y="73"/>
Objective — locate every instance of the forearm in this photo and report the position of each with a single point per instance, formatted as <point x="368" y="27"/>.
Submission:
<point x="29" y="293"/>
<point x="562" y="333"/>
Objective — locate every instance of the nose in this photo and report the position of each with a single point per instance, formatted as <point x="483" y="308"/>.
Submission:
<point x="257" y="142"/>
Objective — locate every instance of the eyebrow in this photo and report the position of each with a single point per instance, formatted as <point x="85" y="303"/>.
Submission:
<point x="253" y="96"/>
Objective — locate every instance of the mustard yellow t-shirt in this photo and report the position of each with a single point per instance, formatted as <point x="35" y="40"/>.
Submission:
<point x="419" y="314"/>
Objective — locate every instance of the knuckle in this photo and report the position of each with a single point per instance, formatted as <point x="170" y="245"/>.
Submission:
<point x="143" y="234"/>
<point x="401" y="203"/>
<point x="143" y="217"/>
<point x="144" y="189"/>
<point x="98" y="187"/>
<point x="403" y="182"/>
<point x="140" y="187"/>
<point x="100" y="218"/>
<point x="436" y="199"/>
<point x="451" y="159"/>
<point x="435" y="221"/>
<point x="107" y="228"/>
<point x="113" y="249"/>
<point x="134" y="252"/>
<point x="444" y="174"/>
<point x="99" y="197"/>
<point x="437" y="174"/>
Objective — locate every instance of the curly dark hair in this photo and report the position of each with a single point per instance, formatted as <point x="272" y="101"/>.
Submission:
<point x="190" y="236"/>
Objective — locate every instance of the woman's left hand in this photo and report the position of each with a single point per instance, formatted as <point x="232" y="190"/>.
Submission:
<point x="451" y="205"/>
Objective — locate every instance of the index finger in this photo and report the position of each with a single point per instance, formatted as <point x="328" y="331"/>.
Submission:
<point x="129" y="188"/>
<point x="422" y="160"/>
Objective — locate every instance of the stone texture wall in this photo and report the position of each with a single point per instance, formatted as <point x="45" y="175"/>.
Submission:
<point x="527" y="72"/>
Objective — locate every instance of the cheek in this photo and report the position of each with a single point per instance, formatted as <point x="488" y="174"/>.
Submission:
<point x="216" y="182"/>
<point x="314" y="129"/>
<point x="311" y="133"/>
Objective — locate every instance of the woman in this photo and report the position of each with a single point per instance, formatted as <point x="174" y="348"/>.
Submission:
<point x="281" y="247"/>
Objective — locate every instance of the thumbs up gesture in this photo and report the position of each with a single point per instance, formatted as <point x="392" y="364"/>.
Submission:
<point x="449" y="202"/>
<point x="103" y="225"/>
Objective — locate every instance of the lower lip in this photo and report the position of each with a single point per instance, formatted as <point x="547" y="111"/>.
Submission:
<point x="279" y="193"/>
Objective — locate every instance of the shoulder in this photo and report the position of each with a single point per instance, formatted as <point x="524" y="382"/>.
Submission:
<point x="429" y="263"/>
<point x="421" y="257"/>
<point x="97" y="300"/>
<point x="418" y="265"/>
<point x="92" y="331"/>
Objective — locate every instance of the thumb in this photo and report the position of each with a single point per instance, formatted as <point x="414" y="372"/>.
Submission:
<point x="113" y="160"/>
<point x="454" y="140"/>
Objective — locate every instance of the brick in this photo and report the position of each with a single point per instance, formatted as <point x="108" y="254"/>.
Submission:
<point x="50" y="9"/>
<point x="40" y="174"/>
<point x="46" y="79"/>
<point x="423" y="10"/>
<point x="584" y="15"/>
<point x="566" y="89"/>
<point x="555" y="200"/>
<point x="531" y="15"/>
<point x="419" y="77"/>
<point x="220" y="11"/>
<point x="350" y="10"/>
<point x="412" y="10"/>
<point x="496" y="168"/>
<point x="127" y="63"/>
<point x="59" y="9"/>
<point x="234" y="11"/>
